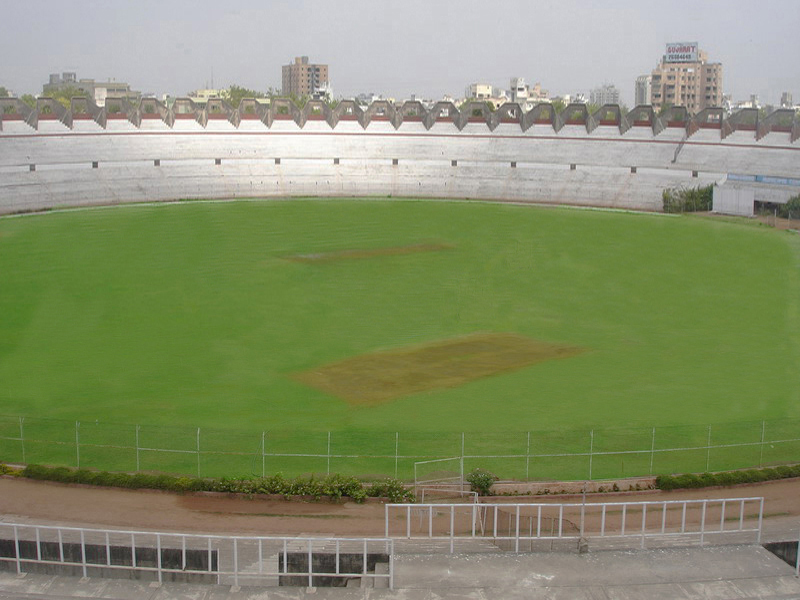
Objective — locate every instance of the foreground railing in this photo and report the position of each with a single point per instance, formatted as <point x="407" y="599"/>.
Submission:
<point x="512" y="525"/>
<point x="239" y="561"/>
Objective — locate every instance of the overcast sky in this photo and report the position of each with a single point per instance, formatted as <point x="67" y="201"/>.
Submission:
<point x="397" y="48"/>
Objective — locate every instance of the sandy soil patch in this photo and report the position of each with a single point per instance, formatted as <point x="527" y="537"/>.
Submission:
<point x="383" y="376"/>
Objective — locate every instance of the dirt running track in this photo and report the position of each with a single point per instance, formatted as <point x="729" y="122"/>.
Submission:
<point x="26" y="501"/>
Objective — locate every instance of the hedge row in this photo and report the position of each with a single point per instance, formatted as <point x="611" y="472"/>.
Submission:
<point x="340" y="486"/>
<point x="689" y="480"/>
<point x="331" y="486"/>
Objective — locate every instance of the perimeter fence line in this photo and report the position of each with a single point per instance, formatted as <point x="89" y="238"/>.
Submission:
<point x="533" y="455"/>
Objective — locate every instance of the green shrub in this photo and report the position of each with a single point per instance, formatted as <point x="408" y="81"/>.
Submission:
<point x="392" y="489"/>
<point x="727" y="478"/>
<point x="680" y="200"/>
<point x="791" y="209"/>
<point x="6" y="470"/>
<point x="481" y="481"/>
<point x="331" y="486"/>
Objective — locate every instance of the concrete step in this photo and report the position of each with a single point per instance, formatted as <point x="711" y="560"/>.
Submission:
<point x="460" y="545"/>
<point x="381" y="569"/>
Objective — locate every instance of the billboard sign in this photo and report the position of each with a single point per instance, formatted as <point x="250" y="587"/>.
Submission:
<point x="679" y="52"/>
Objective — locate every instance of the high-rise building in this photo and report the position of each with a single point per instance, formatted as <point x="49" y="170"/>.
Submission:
<point x="684" y="77"/>
<point x="786" y="100"/>
<point x="644" y="90"/>
<point x="302" y="78"/>
<point x="605" y="94"/>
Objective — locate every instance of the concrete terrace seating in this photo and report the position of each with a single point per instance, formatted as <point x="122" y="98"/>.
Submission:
<point x="88" y="155"/>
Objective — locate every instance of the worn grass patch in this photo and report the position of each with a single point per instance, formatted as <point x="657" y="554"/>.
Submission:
<point x="383" y="376"/>
<point x="322" y="257"/>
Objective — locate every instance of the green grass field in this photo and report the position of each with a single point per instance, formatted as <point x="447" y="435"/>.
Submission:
<point x="193" y="315"/>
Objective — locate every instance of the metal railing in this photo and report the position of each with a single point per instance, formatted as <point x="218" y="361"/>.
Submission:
<point x="510" y="526"/>
<point x="229" y="560"/>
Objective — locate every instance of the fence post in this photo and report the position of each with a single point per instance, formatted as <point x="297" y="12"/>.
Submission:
<point x="652" y="450"/>
<point x="158" y="563"/>
<point x="528" y="459"/>
<point x="708" y="451"/>
<point x="198" y="452"/>
<point x="452" y="526"/>
<point x="763" y="431"/>
<point x="22" y="437"/>
<point x="78" y="443"/>
<point x="391" y="564"/>
<point x="236" y="561"/>
<point x="463" y="441"/>
<point x="703" y="522"/>
<point x="396" y="451"/>
<point x="591" y="451"/>
<point x="263" y="450"/>
<point x="83" y="553"/>
<point x="16" y="549"/>
<point x="329" y="453"/>
<point x="310" y="564"/>
<point x="137" y="448"/>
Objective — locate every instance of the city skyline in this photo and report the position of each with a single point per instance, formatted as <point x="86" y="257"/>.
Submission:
<point x="425" y="49"/>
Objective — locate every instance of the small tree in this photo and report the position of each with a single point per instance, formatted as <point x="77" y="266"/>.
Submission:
<point x="481" y="481"/>
<point x="298" y="101"/>
<point x="65" y="95"/>
<point x="235" y="94"/>
<point x="790" y="210"/>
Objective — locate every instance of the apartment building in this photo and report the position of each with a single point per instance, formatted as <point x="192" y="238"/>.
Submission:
<point x="685" y="77"/>
<point x="302" y="78"/>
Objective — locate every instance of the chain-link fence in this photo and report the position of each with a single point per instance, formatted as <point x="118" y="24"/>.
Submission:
<point x="566" y="454"/>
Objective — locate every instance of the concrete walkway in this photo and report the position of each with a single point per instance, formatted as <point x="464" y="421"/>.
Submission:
<point x="721" y="573"/>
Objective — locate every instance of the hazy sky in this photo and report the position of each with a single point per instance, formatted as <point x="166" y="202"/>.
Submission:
<point x="396" y="48"/>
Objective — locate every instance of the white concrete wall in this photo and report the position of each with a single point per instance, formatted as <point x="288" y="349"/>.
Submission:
<point x="602" y="174"/>
<point x="732" y="201"/>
